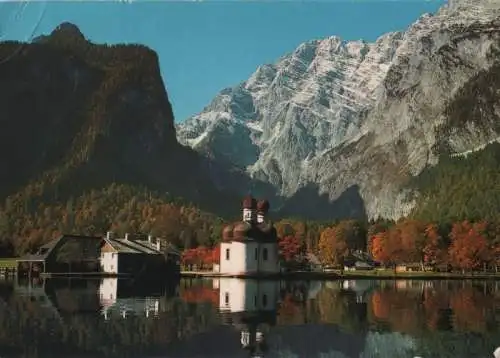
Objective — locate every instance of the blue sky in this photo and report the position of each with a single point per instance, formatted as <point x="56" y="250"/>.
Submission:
<point x="206" y="46"/>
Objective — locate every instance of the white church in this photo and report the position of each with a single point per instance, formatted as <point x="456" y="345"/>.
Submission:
<point x="250" y="247"/>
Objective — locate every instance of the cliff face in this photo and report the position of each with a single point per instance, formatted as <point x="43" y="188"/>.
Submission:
<point x="77" y="115"/>
<point x="339" y="120"/>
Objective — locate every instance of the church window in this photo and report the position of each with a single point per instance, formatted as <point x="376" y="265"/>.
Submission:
<point x="226" y="298"/>
<point x="256" y="254"/>
<point x="264" y="300"/>
<point x="264" y="254"/>
<point x="227" y="254"/>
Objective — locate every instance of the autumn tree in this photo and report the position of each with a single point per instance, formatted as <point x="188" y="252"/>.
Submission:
<point x="469" y="248"/>
<point x="379" y="247"/>
<point x="412" y="239"/>
<point x="332" y="247"/>
<point x="289" y="248"/>
<point x="435" y="248"/>
<point x="215" y="254"/>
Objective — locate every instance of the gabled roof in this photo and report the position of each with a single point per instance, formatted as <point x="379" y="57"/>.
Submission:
<point x="133" y="246"/>
<point x="82" y="244"/>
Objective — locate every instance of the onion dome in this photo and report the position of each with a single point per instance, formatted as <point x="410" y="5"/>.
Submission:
<point x="249" y="202"/>
<point x="241" y="230"/>
<point x="227" y="233"/>
<point x="265" y="227"/>
<point x="263" y="206"/>
<point x="268" y="232"/>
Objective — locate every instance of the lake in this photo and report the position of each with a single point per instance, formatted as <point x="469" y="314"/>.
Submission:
<point x="249" y="318"/>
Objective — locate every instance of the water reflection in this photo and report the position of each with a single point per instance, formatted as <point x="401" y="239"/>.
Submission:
<point x="249" y="318"/>
<point x="251" y="307"/>
<point x="123" y="298"/>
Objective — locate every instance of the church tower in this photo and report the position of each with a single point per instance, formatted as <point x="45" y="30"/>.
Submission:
<point x="250" y="247"/>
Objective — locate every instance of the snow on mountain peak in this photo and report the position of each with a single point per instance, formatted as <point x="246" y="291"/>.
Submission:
<point x="293" y="121"/>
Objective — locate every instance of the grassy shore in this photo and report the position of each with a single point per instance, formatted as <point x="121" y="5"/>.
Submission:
<point x="426" y="275"/>
<point x="358" y="275"/>
<point x="8" y="263"/>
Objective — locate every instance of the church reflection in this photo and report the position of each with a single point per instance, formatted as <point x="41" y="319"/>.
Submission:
<point x="251" y="307"/>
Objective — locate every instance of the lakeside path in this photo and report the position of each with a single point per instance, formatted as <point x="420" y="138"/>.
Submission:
<point x="351" y="275"/>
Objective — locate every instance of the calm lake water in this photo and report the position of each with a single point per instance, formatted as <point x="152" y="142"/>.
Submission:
<point x="247" y="318"/>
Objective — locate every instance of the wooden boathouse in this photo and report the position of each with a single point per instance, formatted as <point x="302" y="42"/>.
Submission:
<point x="75" y="255"/>
<point x="67" y="254"/>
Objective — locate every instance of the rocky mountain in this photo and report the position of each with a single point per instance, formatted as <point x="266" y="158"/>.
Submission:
<point x="341" y="127"/>
<point x="78" y="116"/>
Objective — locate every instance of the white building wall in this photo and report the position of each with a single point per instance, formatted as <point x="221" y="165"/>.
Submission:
<point x="269" y="263"/>
<point x="241" y="295"/>
<point x="109" y="262"/>
<point x="225" y="264"/>
<point x="108" y="290"/>
<point x="243" y="257"/>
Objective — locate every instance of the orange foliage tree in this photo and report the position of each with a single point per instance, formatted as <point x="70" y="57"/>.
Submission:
<point x="332" y="247"/>
<point x="201" y="256"/>
<point x="469" y="248"/>
<point x="215" y="254"/>
<point x="379" y="247"/>
<point x="289" y="247"/>
<point x="434" y="249"/>
<point x="412" y="238"/>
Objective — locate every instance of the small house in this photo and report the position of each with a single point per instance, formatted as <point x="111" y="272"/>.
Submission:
<point x="411" y="267"/>
<point x="137" y="256"/>
<point x="357" y="265"/>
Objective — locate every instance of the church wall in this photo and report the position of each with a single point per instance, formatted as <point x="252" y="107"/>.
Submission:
<point x="225" y="265"/>
<point x="242" y="258"/>
<point x="271" y="264"/>
<point x="239" y="295"/>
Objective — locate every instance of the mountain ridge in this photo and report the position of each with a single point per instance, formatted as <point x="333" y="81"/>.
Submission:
<point x="336" y="115"/>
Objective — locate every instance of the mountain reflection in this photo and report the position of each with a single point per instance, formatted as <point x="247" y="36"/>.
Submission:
<point x="248" y="318"/>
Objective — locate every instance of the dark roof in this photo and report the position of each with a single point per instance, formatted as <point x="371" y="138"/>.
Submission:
<point x="45" y="250"/>
<point x="127" y="246"/>
<point x="245" y="231"/>
<point x="139" y="246"/>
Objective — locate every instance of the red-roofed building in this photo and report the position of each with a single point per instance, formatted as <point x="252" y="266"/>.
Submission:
<point x="250" y="247"/>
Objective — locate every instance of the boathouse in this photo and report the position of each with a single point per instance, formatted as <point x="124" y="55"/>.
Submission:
<point x="250" y="247"/>
<point x="76" y="254"/>
<point x="136" y="255"/>
<point x="67" y="254"/>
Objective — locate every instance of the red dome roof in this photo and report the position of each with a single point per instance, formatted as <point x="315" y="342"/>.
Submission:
<point x="241" y="230"/>
<point x="263" y="206"/>
<point x="249" y="202"/>
<point x="227" y="232"/>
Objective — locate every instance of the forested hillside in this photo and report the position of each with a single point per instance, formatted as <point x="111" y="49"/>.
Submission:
<point x="85" y="129"/>
<point x="460" y="188"/>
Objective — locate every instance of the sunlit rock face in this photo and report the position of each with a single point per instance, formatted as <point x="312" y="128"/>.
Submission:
<point x="339" y="114"/>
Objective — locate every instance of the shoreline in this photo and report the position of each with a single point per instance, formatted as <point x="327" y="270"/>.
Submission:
<point x="367" y="275"/>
